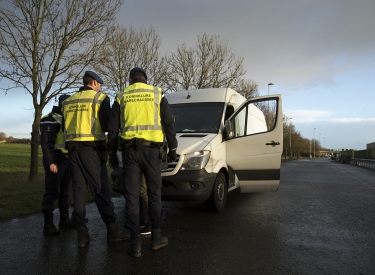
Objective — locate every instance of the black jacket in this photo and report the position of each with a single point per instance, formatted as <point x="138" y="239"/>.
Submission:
<point x="49" y="128"/>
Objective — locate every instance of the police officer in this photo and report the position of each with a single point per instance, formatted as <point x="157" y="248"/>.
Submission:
<point x="57" y="172"/>
<point x="86" y="115"/>
<point x="142" y="114"/>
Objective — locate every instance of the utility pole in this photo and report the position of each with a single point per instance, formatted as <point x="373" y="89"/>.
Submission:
<point x="314" y="143"/>
<point x="290" y="139"/>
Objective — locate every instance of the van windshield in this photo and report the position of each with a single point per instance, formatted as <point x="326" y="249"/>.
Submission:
<point x="197" y="117"/>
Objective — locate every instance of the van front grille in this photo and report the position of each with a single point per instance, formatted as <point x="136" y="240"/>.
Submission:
<point x="171" y="165"/>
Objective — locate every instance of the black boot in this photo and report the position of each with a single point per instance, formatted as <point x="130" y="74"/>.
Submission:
<point x="49" y="227"/>
<point x="157" y="240"/>
<point x="65" y="222"/>
<point x="135" y="245"/>
<point x="114" y="234"/>
<point x="83" y="236"/>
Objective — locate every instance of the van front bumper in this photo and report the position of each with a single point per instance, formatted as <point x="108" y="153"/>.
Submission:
<point x="189" y="185"/>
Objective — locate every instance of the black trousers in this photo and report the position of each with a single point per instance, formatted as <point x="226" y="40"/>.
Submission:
<point x="135" y="162"/>
<point x="89" y="169"/>
<point x="56" y="187"/>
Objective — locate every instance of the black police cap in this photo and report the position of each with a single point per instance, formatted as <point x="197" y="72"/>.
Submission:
<point x="137" y="69"/>
<point x="94" y="76"/>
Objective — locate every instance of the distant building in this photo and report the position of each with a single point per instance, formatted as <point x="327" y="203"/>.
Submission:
<point x="370" y="145"/>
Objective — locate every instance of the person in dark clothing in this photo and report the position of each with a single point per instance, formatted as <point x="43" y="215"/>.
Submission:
<point x="143" y="212"/>
<point x="57" y="171"/>
<point x="86" y="115"/>
<point x="142" y="114"/>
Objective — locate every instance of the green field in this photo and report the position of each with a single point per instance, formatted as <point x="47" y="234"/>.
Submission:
<point x="17" y="196"/>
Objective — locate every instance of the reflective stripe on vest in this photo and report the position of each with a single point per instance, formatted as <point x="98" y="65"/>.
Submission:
<point x="59" y="141"/>
<point x="81" y="116"/>
<point x="136" y="103"/>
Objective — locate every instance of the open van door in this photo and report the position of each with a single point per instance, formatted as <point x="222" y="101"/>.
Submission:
<point x="254" y="143"/>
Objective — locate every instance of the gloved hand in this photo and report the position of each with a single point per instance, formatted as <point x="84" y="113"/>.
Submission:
<point x="172" y="155"/>
<point x="113" y="161"/>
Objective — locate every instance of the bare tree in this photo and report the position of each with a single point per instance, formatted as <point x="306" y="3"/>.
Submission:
<point x="126" y="48"/>
<point x="248" y="88"/>
<point x="9" y="139"/>
<point x="3" y="136"/>
<point x="287" y="127"/>
<point x="294" y="143"/>
<point x="210" y="64"/>
<point x="181" y="69"/>
<point x="45" y="46"/>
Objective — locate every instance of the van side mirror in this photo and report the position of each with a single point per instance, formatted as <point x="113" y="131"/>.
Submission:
<point x="228" y="129"/>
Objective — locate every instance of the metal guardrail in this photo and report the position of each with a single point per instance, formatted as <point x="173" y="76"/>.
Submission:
<point x="367" y="163"/>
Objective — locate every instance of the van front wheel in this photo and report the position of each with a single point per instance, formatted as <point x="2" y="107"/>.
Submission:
<point x="219" y="193"/>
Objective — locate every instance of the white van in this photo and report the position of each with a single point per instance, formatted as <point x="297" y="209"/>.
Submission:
<point x="224" y="142"/>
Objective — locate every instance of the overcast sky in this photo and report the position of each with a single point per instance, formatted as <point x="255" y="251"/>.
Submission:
<point x="320" y="55"/>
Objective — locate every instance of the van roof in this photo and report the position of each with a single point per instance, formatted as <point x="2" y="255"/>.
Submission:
<point x="201" y="95"/>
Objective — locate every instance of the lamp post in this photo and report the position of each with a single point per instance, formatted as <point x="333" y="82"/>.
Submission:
<point x="269" y="87"/>
<point x="314" y="143"/>
<point x="290" y="139"/>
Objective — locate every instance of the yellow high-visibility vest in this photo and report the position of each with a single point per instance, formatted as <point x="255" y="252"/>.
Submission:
<point x="81" y="116"/>
<point x="140" y="112"/>
<point x="59" y="141"/>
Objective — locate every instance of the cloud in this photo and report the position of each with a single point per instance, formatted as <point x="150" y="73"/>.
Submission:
<point x="351" y="120"/>
<point x="296" y="44"/>
<point x="308" y="116"/>
<point x="319" y="54"/>
<point x="339" y="135"/>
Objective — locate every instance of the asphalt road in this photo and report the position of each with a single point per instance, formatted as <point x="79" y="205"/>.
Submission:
<point x="321" y="221"/>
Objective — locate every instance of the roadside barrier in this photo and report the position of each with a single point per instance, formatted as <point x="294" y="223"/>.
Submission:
<point x="367" y="163"/>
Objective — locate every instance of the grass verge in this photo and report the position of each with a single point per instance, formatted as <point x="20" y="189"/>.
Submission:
<point x="18" y="197"/>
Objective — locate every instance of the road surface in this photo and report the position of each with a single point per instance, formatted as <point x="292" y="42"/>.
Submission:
<point x="321" y="221"/>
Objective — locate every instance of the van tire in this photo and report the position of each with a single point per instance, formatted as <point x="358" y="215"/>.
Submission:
<point x="219" y="194"/>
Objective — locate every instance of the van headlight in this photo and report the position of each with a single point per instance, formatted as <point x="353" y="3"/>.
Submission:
<point x="196" y="160"/>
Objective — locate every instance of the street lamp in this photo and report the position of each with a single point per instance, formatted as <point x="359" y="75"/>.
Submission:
<point x="314" y="143"/>
<point x="269" y="87"/>
<point x="290" y="139"/>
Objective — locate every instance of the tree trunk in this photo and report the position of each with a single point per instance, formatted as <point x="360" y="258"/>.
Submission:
<point x="34" y="156"/>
